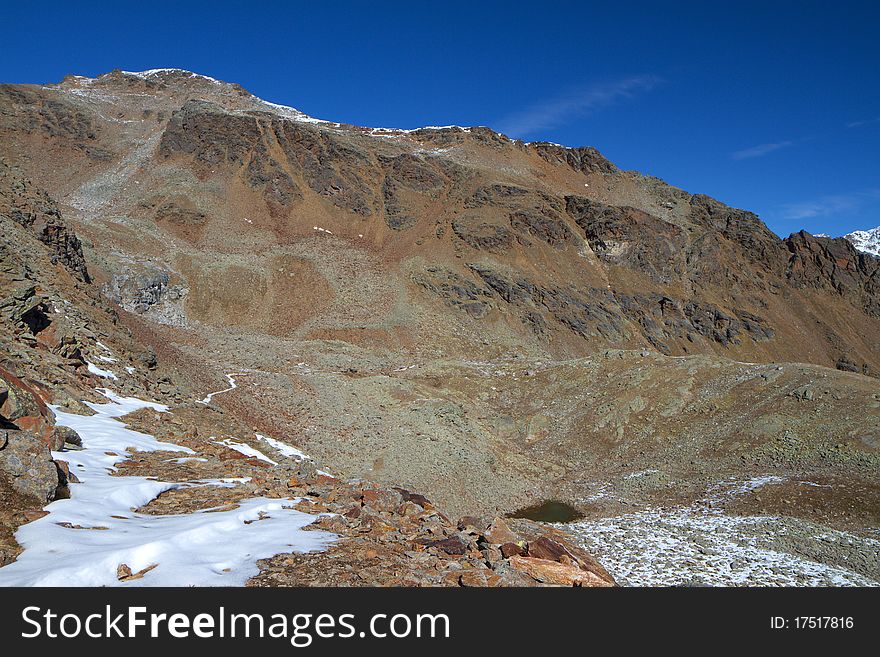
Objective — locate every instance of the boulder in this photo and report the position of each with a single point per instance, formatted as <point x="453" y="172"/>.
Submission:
<point x="408" y="496"/>
<point x="554" y="545"/>
<point x="499" y="533"/>
<point x="26" y="462"/>
<point x="453" y="545"/>
<point x="559" y="574"/>
<point x="382" y="499"/>
<point x="546" y="548"/>
<point x="469" y="521"/>
<point x="62" y="436"/>
<point x="22" y="408"/>
<point x="513" y="549"/>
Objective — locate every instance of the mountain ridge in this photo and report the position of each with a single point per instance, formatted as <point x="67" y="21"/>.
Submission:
<point x="493" y="322"/>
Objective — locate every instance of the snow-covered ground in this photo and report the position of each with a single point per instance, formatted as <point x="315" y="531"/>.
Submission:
<point x="867" y="241"/>
<point x="702" y="545"/>
<point x="85" y="539"/>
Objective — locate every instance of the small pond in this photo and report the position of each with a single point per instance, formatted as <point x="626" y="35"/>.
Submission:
<point x="549" y="511"/>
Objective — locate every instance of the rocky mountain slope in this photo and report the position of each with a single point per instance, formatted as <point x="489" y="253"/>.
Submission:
<point x="63" y="346"/>
<point x="490" y="322"/>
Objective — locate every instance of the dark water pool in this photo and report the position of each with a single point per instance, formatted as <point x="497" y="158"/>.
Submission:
<point x="549" y="511"/>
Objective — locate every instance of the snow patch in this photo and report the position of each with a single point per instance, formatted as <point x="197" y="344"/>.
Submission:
<point x="283" y="448"/>
<point x="210" y="396"/>
<point x="247" y="450"/>
<point x="83" y="540"/>
<point x="97" y="371"/>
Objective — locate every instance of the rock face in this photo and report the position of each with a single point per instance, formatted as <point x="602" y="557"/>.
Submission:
<point x="34" y="209"/>
<point x="570" y="254"/>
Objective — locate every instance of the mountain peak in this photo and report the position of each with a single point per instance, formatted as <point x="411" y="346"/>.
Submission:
<point x="866" y="241"/>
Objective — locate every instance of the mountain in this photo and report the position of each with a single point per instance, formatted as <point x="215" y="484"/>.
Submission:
<point x="866" y="241"/>
<point x="490" y="322"/>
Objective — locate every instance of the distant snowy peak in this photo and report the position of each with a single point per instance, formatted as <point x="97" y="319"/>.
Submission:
<point x="866" y="241"/>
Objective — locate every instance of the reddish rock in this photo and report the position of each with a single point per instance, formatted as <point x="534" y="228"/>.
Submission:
<point x="545" y="548"/>
<point x="409" y="496"/>
<point x="559" y="574"/>
<point x="22" y="407"/>
<point x="573" y="554"/>
<point x="409" y="510"/>
<point x="513" y="549"/>
<point x="479" y="577"/>
<point x="469" y="521"/>
<point x="452" y="545"/>
<point x="381" y="499"/>
<point x="499" y="533"/>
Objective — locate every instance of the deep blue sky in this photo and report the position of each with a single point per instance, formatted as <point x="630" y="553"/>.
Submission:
<point x="772" y="106"/>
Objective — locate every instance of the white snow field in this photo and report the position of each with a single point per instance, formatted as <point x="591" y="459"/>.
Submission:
<point x="866" y="241"/>
<point x="84" y="539"/>
<point x="702" y="545"/>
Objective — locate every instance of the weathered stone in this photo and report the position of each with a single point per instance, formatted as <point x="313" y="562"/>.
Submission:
<point x="545" y="548"/>
<point x="26" y="462"/>
<point x="24" y="409"/>
<point x="62" y="436"/>
<point x="469" y="521"/>
<point x="382" y="499"/>
<point x="479" y="577"/>
<point x="499" y="533"/>
<point x="553" y="572"/>
<point x="452" y="545"/>
<point x="513" y="549"/>
<point x="408" y="496"/>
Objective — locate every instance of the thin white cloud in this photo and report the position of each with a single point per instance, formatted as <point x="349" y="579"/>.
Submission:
<point x="829" y="205"/>
<point x="554" y="112"/>
<point x="761" y="150"/>
<point x="859" y="124"/>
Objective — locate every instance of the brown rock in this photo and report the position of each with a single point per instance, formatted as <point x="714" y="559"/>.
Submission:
<point x="452" y="545"/>
<point x="408" y="496"/>
<point x="513" y="549"/>
<point x="499" y="533"/>
<point x="469" y="521"/>
<point x="545" y="548"/>
<point x="553" y="572"/>
<point x="381" y="499"/>
<point x="573" y="554"/>
<point x="509" y="576"/>
<point x="409" y="510"/>
<point x="479" y="578"/>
